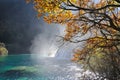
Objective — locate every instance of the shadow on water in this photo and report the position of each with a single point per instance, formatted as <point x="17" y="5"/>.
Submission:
<point x="15" y="74"/>
<point x="22" y="73"/>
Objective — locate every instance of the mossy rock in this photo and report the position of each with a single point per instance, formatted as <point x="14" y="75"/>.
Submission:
<point x="3" y="51"/>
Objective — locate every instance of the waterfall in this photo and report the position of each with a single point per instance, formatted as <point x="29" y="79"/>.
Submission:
<point x="52" y="50"/>
<point x="46" y="43"/>
<point x="66" y="51"/>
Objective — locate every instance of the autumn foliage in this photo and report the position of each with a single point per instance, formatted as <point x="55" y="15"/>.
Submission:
<point x="100" y="19"/>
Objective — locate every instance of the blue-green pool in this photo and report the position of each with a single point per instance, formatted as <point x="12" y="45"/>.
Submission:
<point x="30" y="67"/>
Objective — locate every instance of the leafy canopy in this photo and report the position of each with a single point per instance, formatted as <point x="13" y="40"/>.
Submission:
<point x="99" y="18"/>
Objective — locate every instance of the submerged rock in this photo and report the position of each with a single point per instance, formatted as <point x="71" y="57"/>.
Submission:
<point x="19" y="72"/>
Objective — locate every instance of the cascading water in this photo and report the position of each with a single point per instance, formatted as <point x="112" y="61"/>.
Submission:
<point x="53" y="58"/>
<point x="66" y="51"/>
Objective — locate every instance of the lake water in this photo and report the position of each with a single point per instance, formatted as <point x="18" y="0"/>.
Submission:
<point x="30" y="67"/>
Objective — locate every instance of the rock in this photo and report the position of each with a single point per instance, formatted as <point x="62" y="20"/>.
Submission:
<point x="3" y="50"/>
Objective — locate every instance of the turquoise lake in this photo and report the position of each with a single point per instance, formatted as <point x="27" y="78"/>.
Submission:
<point x="30" y="67"/>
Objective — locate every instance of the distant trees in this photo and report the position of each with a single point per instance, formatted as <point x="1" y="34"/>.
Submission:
<point x="100" y="20"/>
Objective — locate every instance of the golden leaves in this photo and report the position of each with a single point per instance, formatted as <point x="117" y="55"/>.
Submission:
<point x="28" y="1"/>
<point x="46" y="6"/>
<point x="72" y="29"/>
<point x="83" y="3"/>
<point x="83" y="21"/>
<point x="60" y="18"/>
